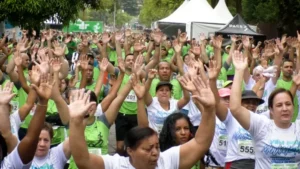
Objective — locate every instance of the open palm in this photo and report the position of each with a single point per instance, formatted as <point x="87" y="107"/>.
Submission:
<point x="205" y="95"/>
<point x="79" y="104"/>
<point x="45" y="89"/>
<point x="187" y="83"/>
<point x="240" y="62"/>
<point x="212" y="70"/>
<point x="6" y="93"/>
<point x="139" y="88"/>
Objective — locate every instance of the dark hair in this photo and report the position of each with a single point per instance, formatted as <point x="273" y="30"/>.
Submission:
<point x="167" y="137"/>
<point x="3" y="146"/>
<point x="93" y="97"/>
<point x="48" y="127"/>
<point x="275" y="93"/>
<point x="287" y="60"/>
<point x="129" y="54"/>
<point x="136" y="135"/>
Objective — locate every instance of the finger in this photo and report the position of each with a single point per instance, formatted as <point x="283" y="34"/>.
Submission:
<point x="88" y="106"/>
<point x="81" y="94"/>
<point x="86" y="97"/>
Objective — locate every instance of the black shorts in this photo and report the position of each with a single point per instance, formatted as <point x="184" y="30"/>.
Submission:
<point x="124" y="123"/>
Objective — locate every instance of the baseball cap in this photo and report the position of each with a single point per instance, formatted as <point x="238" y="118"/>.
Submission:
<point x="227" y="83"/>
<point x="249" y="94"/>
<point x="162" y="83"/>
<point x="224" y="92"/>
<point x="228" y="46"/>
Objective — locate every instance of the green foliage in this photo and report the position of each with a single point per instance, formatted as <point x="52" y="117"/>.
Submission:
<point x="153" y="10"/>
<point x="130" y="6"/>
<point x="32" y="13"/>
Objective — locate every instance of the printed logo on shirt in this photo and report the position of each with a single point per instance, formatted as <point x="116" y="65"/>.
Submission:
<point x="45" y="166"/>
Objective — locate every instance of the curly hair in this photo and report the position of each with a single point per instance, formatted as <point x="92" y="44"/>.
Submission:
<point x="167" y="137"/>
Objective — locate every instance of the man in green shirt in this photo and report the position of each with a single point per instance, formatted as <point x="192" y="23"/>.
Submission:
<point x="286" y="81"/>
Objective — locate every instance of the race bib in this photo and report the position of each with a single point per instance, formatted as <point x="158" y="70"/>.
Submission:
<point x="95" y="151"/>
<point x="285" y="166"/>
<point x="222" y="142"/>
<point x="14" y="105"/>
<point x="220" y="84"/>
<point x="131" y="97"/>
<point x="246" y="147"/>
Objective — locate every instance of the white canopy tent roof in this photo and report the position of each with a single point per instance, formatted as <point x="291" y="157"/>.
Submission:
<point x="193" y="11"/>
<point x="223" y="12"/>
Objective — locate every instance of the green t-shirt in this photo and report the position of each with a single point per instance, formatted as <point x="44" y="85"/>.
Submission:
<point x="167" y="59"/>
<point x="92" y="88"/>
<point x="129" y="105"/>
<point x="222" y="78"/>
<point x="185" y="49"/>
<point x="96" y="136"/>
<point x="287" y="85"/>
<point x="177" y="90"/>
<point x="209" y="50"/>
<point x="231" y="69"/>
<point x="71" y="47"/>
<point x="96" y="73"/>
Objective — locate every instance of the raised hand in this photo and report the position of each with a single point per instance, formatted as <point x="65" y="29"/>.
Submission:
<point x="177" y="48"/>
<point x="103" y="65"/>
<point x="21" y="46"/>
<point x="205" y="95"/>
<point x="68" y="39"/>
<point x="196" y="50"/>
<point x="240" y="62"/>
<point x="49" y="35"/>
<point x="139" y="88"/>
<point x="105" y="37"/>
<point x="6" y="93"/>
<point x="138" y="64"/>
<point x="2" y="42"/>
<point x="35" y="75"/>
<point x="279" y="44"/>
<point x="212" y="70"/>
<point x="246" y="42"/>
<point x="84" y="62"/>
<point x="296" y="79"/>
<point x="202" y="37"/>
<point x="187" y="83"/>
<point x="138" y="47"/>
<point x="118" y="36"/>
<point x="44" y="90"/>
<point x="43" y="63"/>
<point x="58" y="50"/>
<point x="193" y="68"/>
<point x="298" y="36"/>
<point x="18" y="58"/>
<point x="157" y="37"/>
<point x="56" y="64"/>
<point x="72" y="82"/>
<point x="80" y="104"/>
<point x="128" y="33"/>
<point x="182" y="37"/>
<point x="121" y="64"/>
<point x="234" y="38"/>
<point x="217" y="42"/>
<point x="152" y="73"/>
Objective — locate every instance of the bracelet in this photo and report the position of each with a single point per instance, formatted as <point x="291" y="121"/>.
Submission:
<point x="41" y="105"/>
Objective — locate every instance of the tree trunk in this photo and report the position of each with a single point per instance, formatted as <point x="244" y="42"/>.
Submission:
<point x="238" y="6"/>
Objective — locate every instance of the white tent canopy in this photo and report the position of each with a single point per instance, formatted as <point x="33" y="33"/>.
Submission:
<point x="222" y="11"/>
<point x="193" y="11"/>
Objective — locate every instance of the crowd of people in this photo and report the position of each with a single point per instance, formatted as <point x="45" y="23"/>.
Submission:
<point x="174" y="102"/>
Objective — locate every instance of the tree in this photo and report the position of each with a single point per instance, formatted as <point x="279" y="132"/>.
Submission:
<point x="285" y="13"/>
<point x="130" y="7"/>
<point x="153" y="10"/>
<point x="121" y="18"/>
<point x="32" y="13"/>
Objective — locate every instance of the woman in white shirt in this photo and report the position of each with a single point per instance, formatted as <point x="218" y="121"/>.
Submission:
<point x="161" y="106"/>
<point x="276" y="140"/>
<point x="45" y="157"/>
<point x="142" y="143"/>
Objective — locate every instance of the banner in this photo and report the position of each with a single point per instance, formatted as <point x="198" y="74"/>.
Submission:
<point x="85" y="26"/>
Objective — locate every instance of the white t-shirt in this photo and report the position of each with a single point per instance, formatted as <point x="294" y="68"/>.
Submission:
<point x="194" y="113"/>
<point x="157" y="115"/>
<point x="240" y="144"/>
<point x="275" y="147"/>
<point x="55" y="159"/>
<point x="219" y="144"/>
<point x="99" y="111"/>
<point x="15" y="123"/>
<point x="13" y="161"/>
<point x="168" y="159"/>
<point x="269" y="88"/>
<point x="298" y="96"/>
<point x="251" y="83"/>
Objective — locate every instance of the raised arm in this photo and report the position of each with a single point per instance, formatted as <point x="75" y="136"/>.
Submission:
<point x="78" y="110"/>
<point x="103" y="66"/>
<point x="28" y="145"/>
<point x="156" y="57"/>
<point x="5" y="129"/>
<point x="246" y="46"/>
<point x="114" y="90"/>
<point x="205" y="101"/>
<point x="22" y="79"/>
<point x="56" y="96"/>
<point x="147" y="97"/>
<point x="60" y="53"/>
<point x="241" y="114"/>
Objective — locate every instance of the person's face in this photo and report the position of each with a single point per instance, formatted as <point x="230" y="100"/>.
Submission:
<point x="129" y="61"/>
<point x="187" y="59"/>
<point x="79" y="47"/>
<point x="182" y="131"/>
<point x="225" y="101"/>
<point x="256" y="76"/>
<point x="283" y="109"/>
<point x="90" y="72"/>
<point x="287" y="69"/>
<point x="227" y="50"/>
<point x="25" y="60"/>
<point x="63" y="85"/>
<point x="250" y="104"/>
<point x="146" y="154"/>
<point x="164" y="71"/>
<point x="264" y="63"/>
<point x="164" y="52"/>
<point x="43" y="144"/>
<point x="163" y="94"/>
